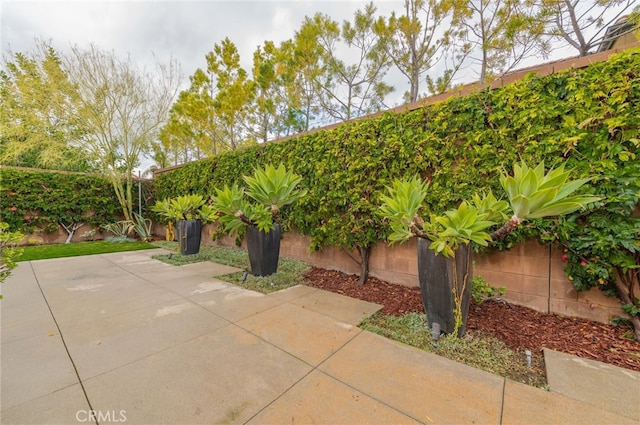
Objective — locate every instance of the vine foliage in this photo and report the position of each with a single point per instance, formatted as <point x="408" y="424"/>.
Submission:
<point x="586" y="118"/>
<point x="39" y="201"/>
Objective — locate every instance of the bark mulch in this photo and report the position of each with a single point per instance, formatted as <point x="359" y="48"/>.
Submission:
<point x="519" y="327"/>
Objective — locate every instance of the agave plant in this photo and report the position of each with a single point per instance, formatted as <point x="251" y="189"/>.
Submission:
<point x="142" y="226"/>
<point x="456" y="227"/>
<point x="531" y="194"/>
<point x="534" y="194"/>
<point x="235" y="211"/>
<point x="274" y="187"/>
<point x="401" y="207"/>
<point x="465" y="224"/>
<point x="120" y="230"/>
<point x="271" y="188"/>
<point x="186" y="207"/>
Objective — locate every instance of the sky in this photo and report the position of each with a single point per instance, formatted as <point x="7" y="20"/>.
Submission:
<point x="183" y="29"/>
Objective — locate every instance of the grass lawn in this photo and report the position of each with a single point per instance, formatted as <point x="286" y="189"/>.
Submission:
<point x="41" y="252"/>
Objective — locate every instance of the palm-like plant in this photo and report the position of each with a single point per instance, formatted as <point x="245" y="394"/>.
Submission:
<point x="531" y="194"/>
<point x="401" y="207"/>
<point x="534" y="194"/>
<point x="235" y="211"/>
<point x="186" y="207"/>
<point x="272" y="188"/>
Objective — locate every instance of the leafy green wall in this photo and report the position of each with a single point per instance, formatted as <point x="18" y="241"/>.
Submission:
<point x="587" y="117"/>
<point x="32" y="201"/>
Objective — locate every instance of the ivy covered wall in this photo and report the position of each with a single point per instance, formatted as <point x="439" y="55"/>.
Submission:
<point x="37" y="201"/>
<point x="587" y="117"/>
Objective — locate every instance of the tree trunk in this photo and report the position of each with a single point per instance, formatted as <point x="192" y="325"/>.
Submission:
<point x="71" y="230"/>
<point x="508" y="227"/>
<point x="624" y="286"/>
<point x="365" y="253"/>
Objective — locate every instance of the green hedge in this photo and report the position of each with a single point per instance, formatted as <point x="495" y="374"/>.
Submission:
<point x="32" y="201"/>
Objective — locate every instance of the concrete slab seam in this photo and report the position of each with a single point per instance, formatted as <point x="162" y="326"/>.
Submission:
<point x="168" y="290"/>
<point x="158" y="352"/>
<point x="274" y="294"/>
<point x="64" y="343"/>
<point x="360" y="390"/>
<point x="314" y="369"/>
<point x="268" y="405"/>
<point x="504" y="391"/>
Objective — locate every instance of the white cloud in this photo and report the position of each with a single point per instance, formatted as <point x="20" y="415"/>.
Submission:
<point x="185" y="30"/>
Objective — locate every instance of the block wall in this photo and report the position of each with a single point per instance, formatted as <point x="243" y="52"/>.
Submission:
<point x="532" y="273"/>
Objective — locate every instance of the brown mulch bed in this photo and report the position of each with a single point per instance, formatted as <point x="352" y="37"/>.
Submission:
<point x="519" y="327"/>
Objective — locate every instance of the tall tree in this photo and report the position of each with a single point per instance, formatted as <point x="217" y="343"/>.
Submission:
<point x="122" y="108"/>
<point x="502" y="33"/>
<point x="417" y="40"/>
<point x="276" y="103"/>
<point x="39" y="126"/>
<point x="234" y="93"/>
<point x="582" y="24"/>
<point x="190" y="132"/>
<point x="352" y="88"/>
<point x="308" y="62"/>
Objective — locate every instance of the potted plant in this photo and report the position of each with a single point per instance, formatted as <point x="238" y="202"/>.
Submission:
<point x="189" y="212"/>
<point x="271" y="189"/>
<point x="445" y="278"/>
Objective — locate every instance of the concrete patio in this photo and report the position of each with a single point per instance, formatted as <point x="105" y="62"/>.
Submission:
<point x="124" y="338"/>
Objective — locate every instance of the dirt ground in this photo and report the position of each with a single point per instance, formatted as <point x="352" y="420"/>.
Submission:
<point x="519" y="327"/>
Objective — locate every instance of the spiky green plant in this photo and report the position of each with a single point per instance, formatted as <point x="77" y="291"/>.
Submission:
<point x="235" y="211"/>
<point x="531" y="194"/>
<point x="455" y="227"/>
<point x="142" y="226"/>
<point x="186" y="207"/>
<point x="401" y="205"/>
<point x="534" y="194"/>
<point x="274" y="187"/>
<point x="120" y="229"/>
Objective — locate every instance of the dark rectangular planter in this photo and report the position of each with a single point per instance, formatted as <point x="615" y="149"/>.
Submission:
<point x="264" y="250"/>
<point x="189" y="233"/>
<point x="435" y="273"/>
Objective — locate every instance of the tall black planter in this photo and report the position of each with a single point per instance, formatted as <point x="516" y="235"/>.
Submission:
<point x="189" y="233"/>
<point x="264" y="250"/>
<point x="435" y="273"/>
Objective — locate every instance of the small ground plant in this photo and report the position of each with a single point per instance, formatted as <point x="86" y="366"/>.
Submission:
<point x="473" y="349"/>
<point x="290" y="272"/>
<point x="481" y="289"/>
